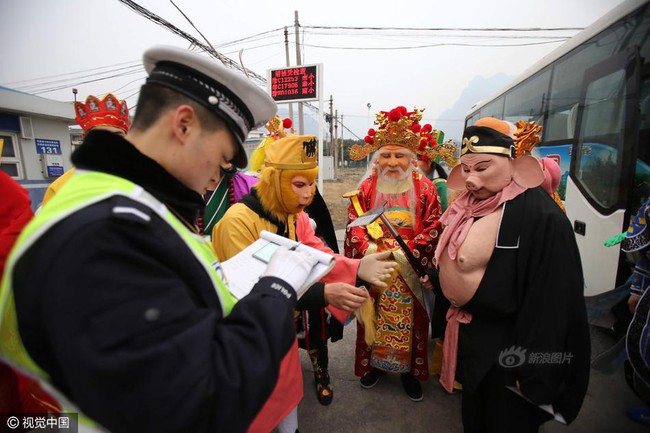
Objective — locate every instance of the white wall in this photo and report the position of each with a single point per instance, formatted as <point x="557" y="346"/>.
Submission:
<point x="45" y="128"/>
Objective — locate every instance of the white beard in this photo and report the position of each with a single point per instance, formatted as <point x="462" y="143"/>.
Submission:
<point x="395" y="189"/>
<point x="389" y="184"/>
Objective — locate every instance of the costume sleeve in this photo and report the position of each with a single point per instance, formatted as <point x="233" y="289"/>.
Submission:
<point x="15" y="213"/>
<point x="242" y="185"/>
<point x="552" y="321"/>
<point x="314" y="297"/>
<point x="345" y="269"/>
<point x="637" y="238"/>
<point x="441" y="187"/>
<point x="233" y="233"/>
<point x="357" y="239"/>
<point x="128" y="341"/>
<point x="428" y="226"/>
<point x="641" y="275"/>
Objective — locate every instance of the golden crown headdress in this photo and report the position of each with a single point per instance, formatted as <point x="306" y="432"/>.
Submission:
<point x="401" y="127"/>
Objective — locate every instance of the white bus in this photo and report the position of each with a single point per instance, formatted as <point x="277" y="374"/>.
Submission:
<point x="592" y="95"/>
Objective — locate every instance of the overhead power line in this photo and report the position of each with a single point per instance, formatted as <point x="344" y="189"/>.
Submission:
<point x="169" y="26"/>
<point x="452" y="29"/>
<point x="123" y="88"/>
<point x="442" y="44"/>
<point x="71" y="80"/>
<point x="386" y="36"/>
<point x="254" y="48"/>
<point x="57" y="81"/>
<point x="326" y="115"/>
<point x="247" y="38"/>
<point x="348" y="129"/>
<point x="66" y="85"/>
<point x="136" y="62"/>
<point x="264" y="35"/>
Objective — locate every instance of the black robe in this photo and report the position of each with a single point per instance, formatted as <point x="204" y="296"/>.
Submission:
<point x="319" y="212"/>
<point x="531" y="298"/>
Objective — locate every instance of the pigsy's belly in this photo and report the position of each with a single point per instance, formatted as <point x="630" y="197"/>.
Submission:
<point x="458" y="284"/>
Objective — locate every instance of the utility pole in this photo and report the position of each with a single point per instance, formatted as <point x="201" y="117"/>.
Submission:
<point x="331" y="124"/>
<point x="342" y="143"/>
<point x="336" y="142"/>
<point x="286" y="50"/>
<point x="298" y="62"/>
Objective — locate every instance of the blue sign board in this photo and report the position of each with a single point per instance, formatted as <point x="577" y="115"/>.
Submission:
<point x="52" y="147"/>
<point x="54" y="170"/>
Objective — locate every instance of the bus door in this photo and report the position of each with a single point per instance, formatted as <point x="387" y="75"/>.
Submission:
<point x="602" y="166"/>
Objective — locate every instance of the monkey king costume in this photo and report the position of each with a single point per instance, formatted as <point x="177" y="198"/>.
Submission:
<point x="272" y="205"/>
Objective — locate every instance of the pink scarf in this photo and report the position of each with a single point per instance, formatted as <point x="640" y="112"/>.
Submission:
<point x="459" y="216"/>
<point x="455" y="317"/>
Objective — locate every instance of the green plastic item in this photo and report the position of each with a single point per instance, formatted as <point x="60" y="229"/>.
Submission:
<point x="615" y="240"/>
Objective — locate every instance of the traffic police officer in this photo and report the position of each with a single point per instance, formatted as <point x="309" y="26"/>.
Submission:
<point x="110" y="298"/>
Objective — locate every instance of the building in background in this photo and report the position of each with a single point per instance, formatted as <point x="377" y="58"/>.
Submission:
<point x="36" y="140"/>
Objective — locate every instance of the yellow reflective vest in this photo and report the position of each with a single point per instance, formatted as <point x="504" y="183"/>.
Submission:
<point x="84" y="189"/>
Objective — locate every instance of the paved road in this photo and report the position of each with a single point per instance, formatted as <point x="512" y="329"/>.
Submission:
<point x="386" y="408"/>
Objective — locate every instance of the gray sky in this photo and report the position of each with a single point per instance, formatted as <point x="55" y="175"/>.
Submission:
<point x="44" y="38"/>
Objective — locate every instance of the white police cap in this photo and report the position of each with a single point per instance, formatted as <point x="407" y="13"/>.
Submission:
<point x="230" y="95"/>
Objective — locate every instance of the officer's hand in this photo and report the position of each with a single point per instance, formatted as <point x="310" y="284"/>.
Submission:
<point x="291" y="266"/>
<point x="344" y="296"/>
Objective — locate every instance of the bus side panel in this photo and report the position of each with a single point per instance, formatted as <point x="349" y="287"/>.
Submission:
<point x="600" y="278"/>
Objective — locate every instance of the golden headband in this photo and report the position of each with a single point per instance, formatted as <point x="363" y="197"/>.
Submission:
<point x="468" y="146"/>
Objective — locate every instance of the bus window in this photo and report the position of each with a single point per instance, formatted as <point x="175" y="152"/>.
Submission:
<point x="493" y="109"/>
<point x="640" y="36"/>
<point x="568" y="75"/>
<point x="472" y="120"/>
<point x="641" y="185"/>
<point x="526" y="101"/>
<point x="598" y="166"/>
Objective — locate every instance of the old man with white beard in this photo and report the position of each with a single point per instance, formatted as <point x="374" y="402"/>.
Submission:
<point x="412" y="206"/>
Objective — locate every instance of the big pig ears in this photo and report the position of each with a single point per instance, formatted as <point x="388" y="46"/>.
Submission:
<point x="528" y="173"/>
<point x="455" y="179"/>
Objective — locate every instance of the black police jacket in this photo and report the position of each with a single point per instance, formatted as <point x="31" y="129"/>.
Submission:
<point x="124" y="319"/>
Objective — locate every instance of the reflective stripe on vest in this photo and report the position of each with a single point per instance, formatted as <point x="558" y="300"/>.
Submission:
<point x="84" y="189"/>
